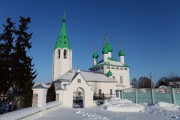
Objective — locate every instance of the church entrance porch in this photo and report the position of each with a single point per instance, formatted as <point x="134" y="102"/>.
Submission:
<point x="78" y="98"/>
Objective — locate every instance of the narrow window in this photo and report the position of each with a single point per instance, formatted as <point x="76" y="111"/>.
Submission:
<point x="121" y="79"/>
<point x="110" y="91"/>
<point x="65" y="54"/>
<point x="59" y="53"/>
<point x="100" y="91"/>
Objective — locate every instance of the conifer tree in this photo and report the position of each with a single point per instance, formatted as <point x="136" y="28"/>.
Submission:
<point x="23" y="73"/>
<point x="51" y="93"/>
<point x="6" y="48"/>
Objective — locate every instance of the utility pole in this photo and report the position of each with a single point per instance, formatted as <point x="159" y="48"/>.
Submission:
<point x="151" y="79"/>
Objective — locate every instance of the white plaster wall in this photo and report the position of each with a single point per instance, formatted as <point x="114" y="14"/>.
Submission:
<point x="122" y="59"/>
<point x="105" y="57"/>
<point x="70" y="59"/>
<point x="61" y="95"/>
<point x="109" y="54"/>
<point x="68" y="93"/>
<point x="61" y="65"/>
<point x="41" y="97"/>
<point x="104" y="86"/>
<point x="94" y="60"/>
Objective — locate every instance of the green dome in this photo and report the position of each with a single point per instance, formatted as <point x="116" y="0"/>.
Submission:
<point x="109" y="47"/>
<point x="109" y="73"/>
<point x="95" y="55"/>
<point x="121" y="53"/>
<point x="105" y="50"/>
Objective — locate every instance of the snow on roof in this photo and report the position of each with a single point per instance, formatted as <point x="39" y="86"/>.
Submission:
<point x="93" y="76"/>
<point x="88" y="76"/>
<point x="68" y="76"/>
<point x="42" y="85"/>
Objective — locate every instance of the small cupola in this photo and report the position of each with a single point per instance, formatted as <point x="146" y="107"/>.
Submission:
<point x="105" y="50"/>
<point x="109" y="73"/>
<point x="109" y="47"/>
<point x="95" y="55"/>
<point x="121" y="53"/>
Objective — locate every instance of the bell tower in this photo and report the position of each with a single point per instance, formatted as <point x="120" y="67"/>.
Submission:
<point x="62" y="56"/>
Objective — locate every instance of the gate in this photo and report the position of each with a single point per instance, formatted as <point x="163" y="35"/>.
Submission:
<point x="78" y="98"/>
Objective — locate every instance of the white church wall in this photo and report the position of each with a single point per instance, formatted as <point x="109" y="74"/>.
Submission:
<point x="105" y="87"/>
<point x="117" y="73"/>
<point x="56" y="65"/>
<point x="121" y="59"/>
<point x="109" y="54"/>
<point x="70" y="59"/>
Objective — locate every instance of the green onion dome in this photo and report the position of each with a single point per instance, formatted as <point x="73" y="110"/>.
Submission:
<point x="109" y="47"/>
<point x="105" y="50"/>
<point x="95" y="55"/>
<point x="121" y="53"/>
<point x="109" y="73"/>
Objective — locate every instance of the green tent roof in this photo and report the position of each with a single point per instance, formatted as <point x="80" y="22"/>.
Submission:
<point x="63" y="41"/>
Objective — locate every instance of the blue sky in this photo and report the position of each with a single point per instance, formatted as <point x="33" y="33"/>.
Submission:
<point x="148" y="29"/>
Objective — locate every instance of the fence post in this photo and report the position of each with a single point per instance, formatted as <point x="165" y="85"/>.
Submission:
<point x="135" y="95"/>
<point x="152" y="96"/>
<point x="121" y="94"/>
<point x="41" y="97"/>
<point x="173" y="96"/>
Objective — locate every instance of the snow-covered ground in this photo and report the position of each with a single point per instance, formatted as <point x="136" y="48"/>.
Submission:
<point x="117" y="105"/>
<point x="116" y="109"/>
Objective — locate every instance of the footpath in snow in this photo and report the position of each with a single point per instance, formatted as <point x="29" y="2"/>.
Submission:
<point x="116" y="109"/>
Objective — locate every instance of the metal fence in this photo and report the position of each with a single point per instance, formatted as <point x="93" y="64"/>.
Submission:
<point x="151" y="96"/>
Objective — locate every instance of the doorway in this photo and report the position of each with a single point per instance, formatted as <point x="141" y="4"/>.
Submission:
<point x="78" y="98"/>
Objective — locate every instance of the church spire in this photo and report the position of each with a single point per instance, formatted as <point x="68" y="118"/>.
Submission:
<point x="95" y="55"/>
<point x="63" y="41"/>
<point x="107" y="40"/>
<point x="108" y="46"/>
<point x="64" y="17"/>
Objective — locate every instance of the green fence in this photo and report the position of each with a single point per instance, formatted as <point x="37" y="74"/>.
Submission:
<point x="151" y="96"/>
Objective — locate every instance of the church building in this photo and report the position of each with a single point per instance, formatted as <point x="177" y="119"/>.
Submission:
<point x="103" y="77"/>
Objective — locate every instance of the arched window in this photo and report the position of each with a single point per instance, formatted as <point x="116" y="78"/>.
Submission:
<point x="59" y="53"/>
<point x="65" y="54"/>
